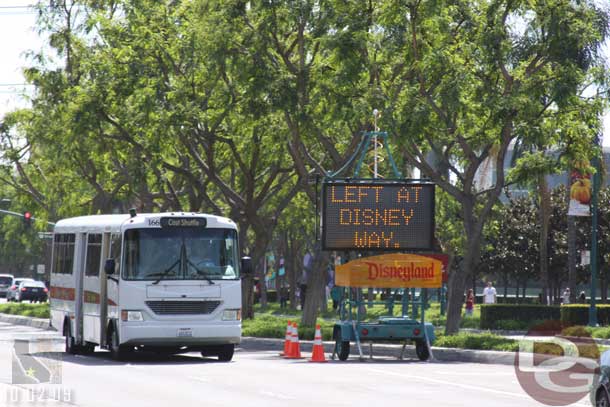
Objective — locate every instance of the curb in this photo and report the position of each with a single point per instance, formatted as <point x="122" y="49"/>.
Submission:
<point x="40" y="323"/>
<point x="439" y="354"/>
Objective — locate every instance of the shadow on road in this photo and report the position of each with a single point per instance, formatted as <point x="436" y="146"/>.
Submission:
<point x="102" y="358"/>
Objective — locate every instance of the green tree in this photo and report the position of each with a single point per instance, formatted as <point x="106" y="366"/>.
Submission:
<point x="468" y="76"/>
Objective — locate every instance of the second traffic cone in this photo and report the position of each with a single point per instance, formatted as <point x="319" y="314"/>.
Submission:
<point x="317" y="353"/>
<point x="287" y="340"/>
<point x="295" y="346"/>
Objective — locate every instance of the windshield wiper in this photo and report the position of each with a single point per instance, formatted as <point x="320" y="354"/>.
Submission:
<point x="200" y="272"/>
<point x="165" y="272"/>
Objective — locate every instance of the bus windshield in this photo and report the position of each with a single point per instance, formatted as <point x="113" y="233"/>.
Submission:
<point x="181" y="254"/>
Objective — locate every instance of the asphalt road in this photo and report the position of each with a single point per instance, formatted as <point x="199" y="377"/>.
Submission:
<point x="253" y="378"/>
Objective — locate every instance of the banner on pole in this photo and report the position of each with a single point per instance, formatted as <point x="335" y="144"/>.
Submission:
<point x="580" y="191"/>
<point x="391" y="271"/>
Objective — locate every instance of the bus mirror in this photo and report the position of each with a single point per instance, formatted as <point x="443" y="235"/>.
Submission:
<point x="109" y="266"/>
<point x="246" y="265"/>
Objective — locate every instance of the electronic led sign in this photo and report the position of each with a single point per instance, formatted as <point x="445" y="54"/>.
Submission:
<point x="377" y="215"/>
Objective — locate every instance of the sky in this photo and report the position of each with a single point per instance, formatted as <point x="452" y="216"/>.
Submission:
<point x="17" y="36"/>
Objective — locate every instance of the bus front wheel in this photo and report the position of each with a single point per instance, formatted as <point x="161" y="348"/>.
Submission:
<point x="70" y="347"/>
<point x="225" y="353"/>
<point x="117" y="352"/>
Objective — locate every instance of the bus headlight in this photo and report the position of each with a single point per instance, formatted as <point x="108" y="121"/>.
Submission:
<point x="132" y="316"/>
<point x="231" y="315"/>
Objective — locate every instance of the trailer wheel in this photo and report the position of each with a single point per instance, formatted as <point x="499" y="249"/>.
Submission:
<point x="421" y="349"/>
<point x="341" y="346"/>
<point x="70" y="347"/>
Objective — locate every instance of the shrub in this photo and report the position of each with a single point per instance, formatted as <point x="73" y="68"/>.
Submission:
<point x="484" y="341"/>
<point x="511" y="325"/>
<point x="576" y="330"/>
<point x="526" y="314"/>
<point x="578" y="314"/>
<point x="28" y="310"/>
<point x="270" y="326"/>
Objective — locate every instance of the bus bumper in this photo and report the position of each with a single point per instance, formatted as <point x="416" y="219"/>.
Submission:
<point x="183" y="334"/>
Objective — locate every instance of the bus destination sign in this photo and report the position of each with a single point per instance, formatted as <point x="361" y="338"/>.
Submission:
<point x="175" y="222"/>
<point x="377" y="215"/>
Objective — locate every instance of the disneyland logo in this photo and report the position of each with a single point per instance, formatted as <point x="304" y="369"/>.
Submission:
<point x="404" y="272"/>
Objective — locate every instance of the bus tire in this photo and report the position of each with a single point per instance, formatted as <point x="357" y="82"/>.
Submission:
<point x="70" y="346"/>
<point x="225" y="353"/>
<point x="421" y="349"/>
<point x="88" y="349"/>
<point x="117" y="352"/>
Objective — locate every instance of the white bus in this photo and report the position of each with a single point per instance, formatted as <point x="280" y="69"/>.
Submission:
<point x="165" y="282"/>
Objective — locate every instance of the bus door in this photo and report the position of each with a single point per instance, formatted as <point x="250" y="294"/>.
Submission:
<point x="91" y="293"/>
<point x="103" y="323"/>
<point x="80" y="249"/>
<point x="109" y="291"/>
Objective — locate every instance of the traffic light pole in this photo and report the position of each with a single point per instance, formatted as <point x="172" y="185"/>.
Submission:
<point x="20" y="215"/>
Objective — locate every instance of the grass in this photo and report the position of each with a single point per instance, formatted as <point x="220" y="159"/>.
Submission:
<point x="27" y="310"/>
<point x="433" y="314"/>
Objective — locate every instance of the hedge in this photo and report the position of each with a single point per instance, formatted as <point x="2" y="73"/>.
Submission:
<point x="578" y="314"/>
<point x="508" y="300"/>
<point x="493" y="315"/>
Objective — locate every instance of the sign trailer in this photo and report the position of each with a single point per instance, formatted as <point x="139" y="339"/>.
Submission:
<point x="373" y="215"/>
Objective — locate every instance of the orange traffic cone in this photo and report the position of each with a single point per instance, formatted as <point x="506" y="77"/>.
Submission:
<point x="295" y="346"/>
<point x="317" y="353"/>
<point x="288" y="340"/>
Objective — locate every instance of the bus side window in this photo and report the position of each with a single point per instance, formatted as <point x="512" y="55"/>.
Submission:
<point x="94" y="253"/>
<point x="63" y="253"/>
<point x="115" y="252"/>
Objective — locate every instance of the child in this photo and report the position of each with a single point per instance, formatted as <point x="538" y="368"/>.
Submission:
<point x="469" y="303"/>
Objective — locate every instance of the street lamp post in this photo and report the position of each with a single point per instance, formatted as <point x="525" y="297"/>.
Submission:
<point x="594" y="265"/>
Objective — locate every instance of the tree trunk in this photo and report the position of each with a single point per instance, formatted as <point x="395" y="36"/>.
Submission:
<point x="544" y="218"/>
<point x="247" y="282"/>
<point x="262" y="281"/>
<point x="292" y="264"/>
<point x="604" y="287"/>
<point x="315" y="285"/>
<point x="457" y="280"/>
<point x="455" y="297"/>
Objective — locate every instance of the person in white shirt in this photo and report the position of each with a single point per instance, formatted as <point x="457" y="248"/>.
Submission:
<point x="489" y="294"/>
<point x="566" y="296"/>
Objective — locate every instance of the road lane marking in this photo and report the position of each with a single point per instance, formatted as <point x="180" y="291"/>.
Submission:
<point x="461" y="385"/>
<point x="199" y="379"/>
<point x="276" y="395"/>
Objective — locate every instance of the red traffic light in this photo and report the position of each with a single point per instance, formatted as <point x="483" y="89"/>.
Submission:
<point x="27" y="219"/>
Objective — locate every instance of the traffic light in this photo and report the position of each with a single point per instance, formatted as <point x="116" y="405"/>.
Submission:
<point x="27" y="219"/>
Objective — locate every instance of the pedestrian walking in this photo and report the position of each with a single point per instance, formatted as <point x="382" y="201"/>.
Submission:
<point x="489" y="294"/>
<point x="582" y="297"/>
<point x="281" y="281"/>
<point x="470" y="303"/>
<point x="566" y="296"/>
